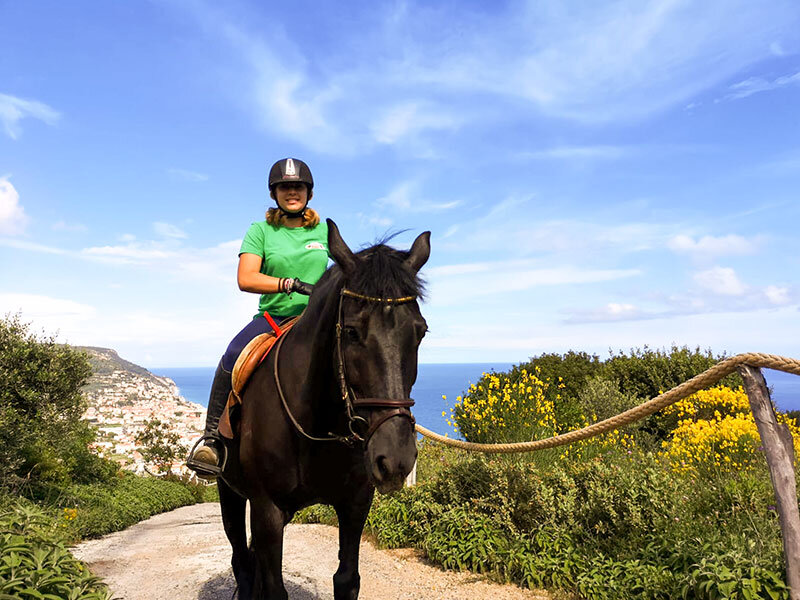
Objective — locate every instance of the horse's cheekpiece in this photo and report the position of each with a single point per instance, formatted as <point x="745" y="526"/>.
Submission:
<point x="401" y="406"/>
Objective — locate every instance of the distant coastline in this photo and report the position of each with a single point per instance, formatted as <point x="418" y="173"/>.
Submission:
<point x="449" y="379"/>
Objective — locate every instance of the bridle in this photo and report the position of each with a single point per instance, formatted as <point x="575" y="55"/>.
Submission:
<point x="360" y="429"/>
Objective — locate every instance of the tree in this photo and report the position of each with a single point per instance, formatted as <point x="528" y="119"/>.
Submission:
<point x="42" y="435"/>
<point x="159" y="445"/>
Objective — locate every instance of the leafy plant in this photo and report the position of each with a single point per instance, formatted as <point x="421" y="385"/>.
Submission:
<point x="35" y="563"/>
<point x="42" y="436"/>
<point x="160" y="445"/>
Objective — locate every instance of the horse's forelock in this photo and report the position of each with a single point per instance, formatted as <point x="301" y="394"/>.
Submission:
<point x="381" y="271"/>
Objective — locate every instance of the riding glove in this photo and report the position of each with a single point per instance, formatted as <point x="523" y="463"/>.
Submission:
<point x="295" y="285"/>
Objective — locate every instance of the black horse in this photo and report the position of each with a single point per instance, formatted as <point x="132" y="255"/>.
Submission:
<point x="325" y="418"/>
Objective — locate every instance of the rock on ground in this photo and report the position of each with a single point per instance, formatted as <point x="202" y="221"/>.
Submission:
<point x="184" y="555"/>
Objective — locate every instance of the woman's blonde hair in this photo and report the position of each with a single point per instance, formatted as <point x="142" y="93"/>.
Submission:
<point x="276" y="217"/>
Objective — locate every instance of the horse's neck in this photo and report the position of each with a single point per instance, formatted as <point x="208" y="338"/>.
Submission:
<point x="313" y="342"/>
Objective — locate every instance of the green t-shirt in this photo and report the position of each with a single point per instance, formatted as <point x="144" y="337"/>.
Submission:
<point x="287" y="252"/>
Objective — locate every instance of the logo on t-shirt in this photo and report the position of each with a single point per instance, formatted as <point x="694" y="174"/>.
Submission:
<point x="314" y="246"/>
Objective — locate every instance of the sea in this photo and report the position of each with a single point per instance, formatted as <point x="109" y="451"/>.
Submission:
<point x="438" y="385"/>
<point x="435" y="391"/>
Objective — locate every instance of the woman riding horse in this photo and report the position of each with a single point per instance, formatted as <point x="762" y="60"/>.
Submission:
<point x="281" y="258"/>
<point x="326" y="416"/>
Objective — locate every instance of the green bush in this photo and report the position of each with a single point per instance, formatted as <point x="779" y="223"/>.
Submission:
<point x="606" y="518"/>
<point x="160" y="445"/>
<point x="572" y="370"/>
<point x="200" y="490"/>
<point x="102" y="509"/>
<point x="42" y="436"/>
<point x="646" y="372"/>
<point x="318" y="513"/>
<point x="462" y="539"/>
<point x="619" y="526"/>
<point x="36" y="563"/>
<point x="403" y="519"/>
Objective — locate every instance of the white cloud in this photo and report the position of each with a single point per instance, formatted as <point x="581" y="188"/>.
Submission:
<point x="378" y="220"/>
<point x="772" y="330"/>
<point x="777" y="295"/>
<point x="405" y="119"/>
<point x="48" y="312"/>
<point x="13" y="110"/>
<point x="756" y="85"/>
<point x="31" y="246"/>
<point x="506" y="229"/>
<point x="165" y="333"/>
<point x="168" y="230"/>
<point x="407" y="197"/>
<point x="12" y="215"/>
<point x="579" y="153"/>
<point x="211" y="264"/>
<point x="187" y="175"/>
<point x="720" y="280"/>
<point x="613" y="311"/>
<point x="417" y="69"/>
<point x="608" y="61"/>
<point x="776" y="49"/>
<point x="711" y="247"/>
<point x="449" y="284"/>
<point x="132" y="253"/>
<point x="451" y="231"/>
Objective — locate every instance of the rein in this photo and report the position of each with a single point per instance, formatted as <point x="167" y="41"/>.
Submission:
<point x="360" y="429"/>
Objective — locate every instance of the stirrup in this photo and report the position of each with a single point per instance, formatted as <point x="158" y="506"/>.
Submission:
<point x="204" y="469"/>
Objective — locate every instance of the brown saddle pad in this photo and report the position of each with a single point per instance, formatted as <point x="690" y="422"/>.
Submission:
<point x="252" y="356"/>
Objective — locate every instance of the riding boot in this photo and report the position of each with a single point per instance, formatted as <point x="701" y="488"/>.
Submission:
<point x="205" y="459"/>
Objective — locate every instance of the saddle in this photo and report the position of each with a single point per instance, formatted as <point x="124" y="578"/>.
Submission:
<point x="252" y="356"/>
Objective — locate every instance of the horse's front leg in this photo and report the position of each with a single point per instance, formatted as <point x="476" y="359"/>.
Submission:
<point x="352" y="516"/>
<point x="266" y="525"/>
<point x="233" y="508"/>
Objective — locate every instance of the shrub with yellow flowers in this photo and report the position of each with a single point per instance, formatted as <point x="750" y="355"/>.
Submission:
<point x="716" y="432"/>
<point x="507" y="407"/>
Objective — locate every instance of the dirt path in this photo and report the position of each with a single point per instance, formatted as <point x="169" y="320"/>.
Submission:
<point x="184" y="555"/>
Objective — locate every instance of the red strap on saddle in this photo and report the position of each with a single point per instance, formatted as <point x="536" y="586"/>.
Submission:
<point x="273" y="324"/>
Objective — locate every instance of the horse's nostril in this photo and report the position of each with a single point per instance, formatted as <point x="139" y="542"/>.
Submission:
<point x="382" y="466"/>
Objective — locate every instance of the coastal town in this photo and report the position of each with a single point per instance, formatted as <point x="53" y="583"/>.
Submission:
<point x="123" y="397"/>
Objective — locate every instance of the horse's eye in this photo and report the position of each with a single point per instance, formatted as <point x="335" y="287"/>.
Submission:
<point x="350" y="334"/>
<point x="421" y="330"/>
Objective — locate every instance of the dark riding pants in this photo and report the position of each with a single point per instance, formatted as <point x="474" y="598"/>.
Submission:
<point x="255" y="327"/>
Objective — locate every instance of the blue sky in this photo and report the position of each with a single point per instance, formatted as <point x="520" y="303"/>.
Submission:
<point x="594" y="175"/>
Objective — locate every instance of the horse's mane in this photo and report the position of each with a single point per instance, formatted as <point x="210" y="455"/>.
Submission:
<point x="381" y="271"/>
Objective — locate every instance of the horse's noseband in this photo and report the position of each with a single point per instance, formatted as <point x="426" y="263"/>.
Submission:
<point x="361" y="430"/>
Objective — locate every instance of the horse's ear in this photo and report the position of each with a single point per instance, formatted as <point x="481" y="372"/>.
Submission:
<point x="340" y="252"/>
<point x="420" y="251"/>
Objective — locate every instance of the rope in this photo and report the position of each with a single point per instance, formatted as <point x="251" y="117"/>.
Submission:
<point x="687" y="388"/>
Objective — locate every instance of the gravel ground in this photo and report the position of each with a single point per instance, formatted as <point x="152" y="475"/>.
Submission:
<point x="184" y="555"/>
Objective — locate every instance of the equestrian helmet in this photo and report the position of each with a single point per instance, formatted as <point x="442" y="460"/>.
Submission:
<point x="290" y="169"/>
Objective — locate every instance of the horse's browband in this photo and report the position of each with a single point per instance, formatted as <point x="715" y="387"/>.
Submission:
<point x="402" y="300"/>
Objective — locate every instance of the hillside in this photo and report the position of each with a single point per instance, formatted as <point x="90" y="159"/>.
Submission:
<point x="123" y="396"/>
<point x="109" y="369"/>
<point x="106" y="360"/>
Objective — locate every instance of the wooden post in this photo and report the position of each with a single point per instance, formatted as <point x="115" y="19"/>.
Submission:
<point x="779" y="450"/>
<point x="411" y="480"/>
